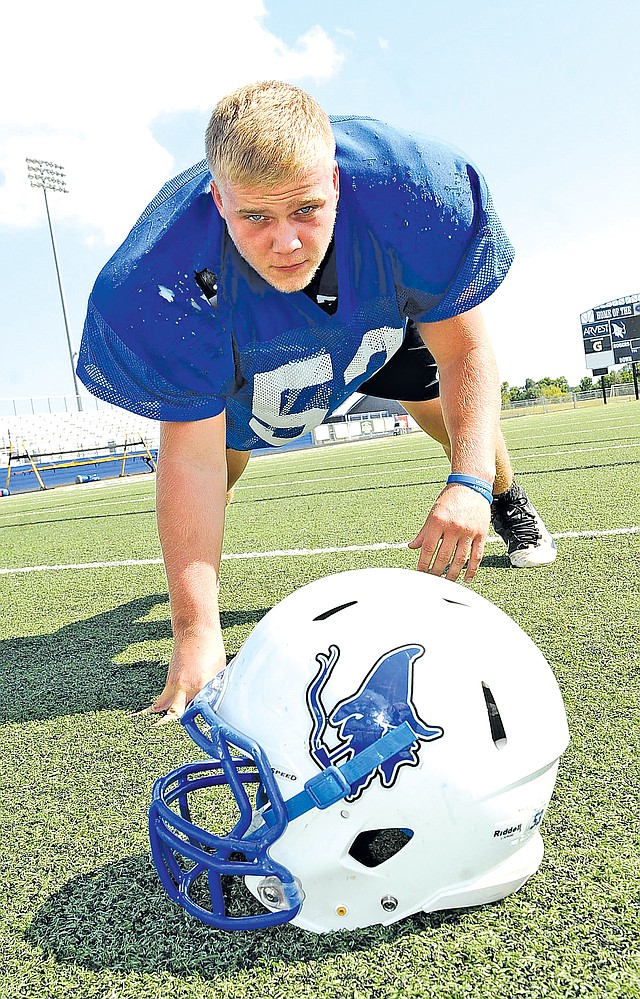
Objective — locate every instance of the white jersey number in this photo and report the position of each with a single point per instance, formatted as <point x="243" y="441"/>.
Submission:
<point x="276" y="392"/>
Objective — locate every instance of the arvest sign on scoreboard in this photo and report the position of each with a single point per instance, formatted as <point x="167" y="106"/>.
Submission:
<point x="611" y="334"/>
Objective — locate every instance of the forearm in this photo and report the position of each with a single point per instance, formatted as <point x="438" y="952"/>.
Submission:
<point x="190" y="509"/>
<point x="469" y="391"/>
<point x="470" y="398"/>
<point x="453" y="534"/>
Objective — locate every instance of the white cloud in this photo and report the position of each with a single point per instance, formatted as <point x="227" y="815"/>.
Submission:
<point x="534" y="317"/>
<point x="85" y="89"/>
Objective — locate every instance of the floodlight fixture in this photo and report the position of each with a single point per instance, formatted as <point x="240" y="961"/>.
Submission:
<point x="47" y="175"/>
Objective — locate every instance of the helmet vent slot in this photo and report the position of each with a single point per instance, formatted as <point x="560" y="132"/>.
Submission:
<point x="334" y="610"/>
<point x="498" y="733"/>
<point x="375" y="846"/>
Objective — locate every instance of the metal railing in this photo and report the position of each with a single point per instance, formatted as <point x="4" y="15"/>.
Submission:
<point x="570" y="400"/>
<point x="34" y="405"/>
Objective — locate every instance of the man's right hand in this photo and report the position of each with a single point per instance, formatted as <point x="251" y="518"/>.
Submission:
<point x="190" y="669"/>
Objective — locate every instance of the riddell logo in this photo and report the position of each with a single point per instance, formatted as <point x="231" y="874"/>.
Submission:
<point x="502" y="833"/>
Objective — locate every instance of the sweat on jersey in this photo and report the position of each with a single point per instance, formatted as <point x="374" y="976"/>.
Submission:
<point x="179" y="327"/>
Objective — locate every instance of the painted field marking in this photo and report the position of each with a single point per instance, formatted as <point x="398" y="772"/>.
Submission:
<point x="292" y="552"/>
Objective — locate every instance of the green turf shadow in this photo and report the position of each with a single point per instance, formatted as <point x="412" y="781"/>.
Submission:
<point x="118" y="918"/>
<point x="74" y="669"/>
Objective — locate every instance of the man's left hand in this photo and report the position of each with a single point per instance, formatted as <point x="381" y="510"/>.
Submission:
<point x="454" y="533"/>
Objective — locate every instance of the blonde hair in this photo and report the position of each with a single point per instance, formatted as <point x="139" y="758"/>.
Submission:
<point x="265" y="132"/>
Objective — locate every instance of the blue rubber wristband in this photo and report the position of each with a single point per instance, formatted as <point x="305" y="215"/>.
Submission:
<point x="479" y="485"/>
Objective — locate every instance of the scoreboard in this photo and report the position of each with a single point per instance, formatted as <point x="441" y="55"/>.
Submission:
<point x="611" y="334"/>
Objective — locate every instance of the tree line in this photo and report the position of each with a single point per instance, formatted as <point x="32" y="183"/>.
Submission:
<point x="551" y="388"/>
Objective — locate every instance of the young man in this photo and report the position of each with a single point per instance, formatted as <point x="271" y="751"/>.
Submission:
<point x="242" y="310"/>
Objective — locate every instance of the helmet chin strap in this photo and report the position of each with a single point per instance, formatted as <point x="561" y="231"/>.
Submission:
<point x="322" y="790"/>
<point x="334" y="783"/>
<point x="173" y="832"/>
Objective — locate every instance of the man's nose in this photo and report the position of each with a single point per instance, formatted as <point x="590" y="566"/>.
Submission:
<point x="285" y="239"/>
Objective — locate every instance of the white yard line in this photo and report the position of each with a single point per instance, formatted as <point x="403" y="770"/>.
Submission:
<point x="291" y="552"/>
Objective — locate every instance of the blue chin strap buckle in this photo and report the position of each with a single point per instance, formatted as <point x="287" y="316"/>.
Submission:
<point x="191" y="862"/>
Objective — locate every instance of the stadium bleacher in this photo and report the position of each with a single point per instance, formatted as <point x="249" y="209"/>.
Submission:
<point x="74" y="432"/>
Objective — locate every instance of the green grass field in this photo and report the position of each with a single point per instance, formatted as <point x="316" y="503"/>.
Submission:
<point x="83" y="913"/>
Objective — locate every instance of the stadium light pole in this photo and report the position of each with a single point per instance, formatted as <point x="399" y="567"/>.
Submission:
<point x="50" y="177"/>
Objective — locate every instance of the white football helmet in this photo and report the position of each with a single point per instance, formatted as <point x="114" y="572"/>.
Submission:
<point x="385" y="742"/>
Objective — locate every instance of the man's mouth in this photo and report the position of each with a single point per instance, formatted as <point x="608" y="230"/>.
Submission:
<point x="284" y="268"/>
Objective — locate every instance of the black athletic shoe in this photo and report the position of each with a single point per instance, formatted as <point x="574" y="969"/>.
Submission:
<point x="521" y="528"/>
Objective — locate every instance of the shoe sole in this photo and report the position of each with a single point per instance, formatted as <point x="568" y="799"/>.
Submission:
<point x="532" y="558"/>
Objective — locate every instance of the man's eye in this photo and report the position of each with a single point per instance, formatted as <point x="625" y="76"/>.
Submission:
<point x="256" y="218"/>
<point x="306" y="210"/>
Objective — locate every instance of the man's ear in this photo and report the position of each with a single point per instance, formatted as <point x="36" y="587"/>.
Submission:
<point x="336" y="180"/>
<point x="217" y="197"/>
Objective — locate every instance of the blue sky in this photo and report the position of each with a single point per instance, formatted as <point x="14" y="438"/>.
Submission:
<point x="544" y="97"/>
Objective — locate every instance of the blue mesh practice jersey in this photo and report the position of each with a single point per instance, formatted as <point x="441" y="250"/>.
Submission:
<point x="180" y="327"/>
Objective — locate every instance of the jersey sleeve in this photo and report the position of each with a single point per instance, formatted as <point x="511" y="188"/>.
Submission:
<point x="112" y="371"/>
<point x="431" y="210"/>
<point x="452" y="252"/>
<point x="152" y="343"/>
